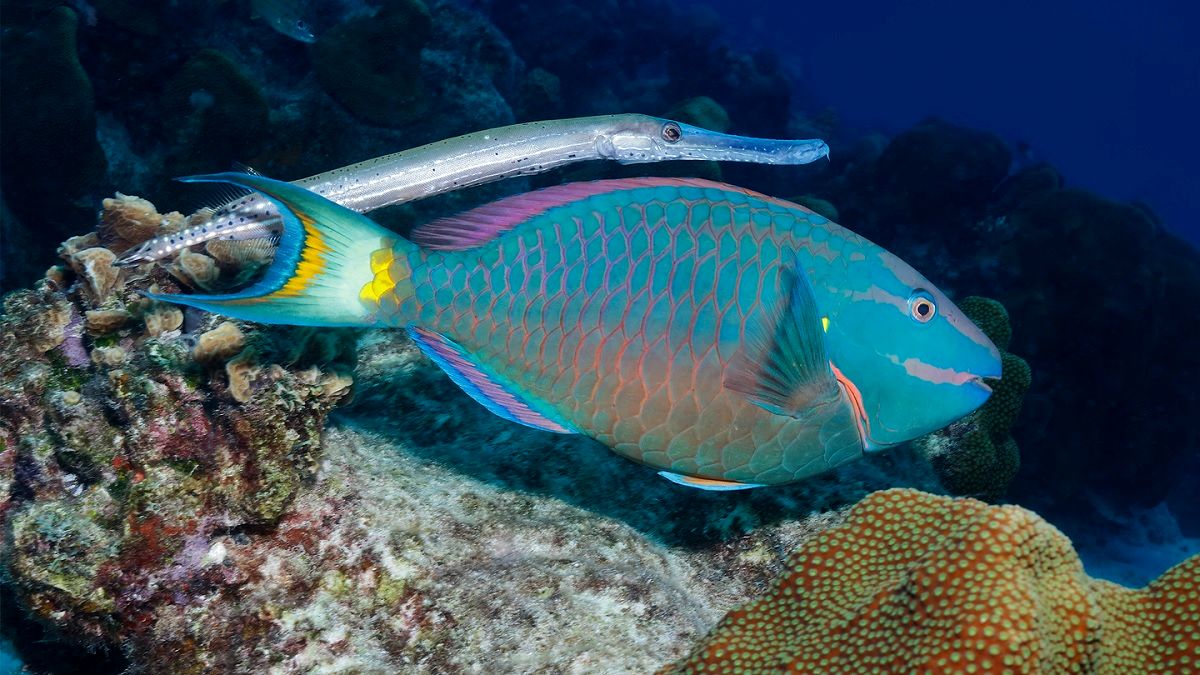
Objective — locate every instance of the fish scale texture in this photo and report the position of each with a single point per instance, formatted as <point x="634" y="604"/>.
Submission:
<point x="914" y="582"/>
<point x="622" y="311"/>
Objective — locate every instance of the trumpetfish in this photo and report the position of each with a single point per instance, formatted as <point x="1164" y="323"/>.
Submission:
<point x="482" y="157"/>
<point x="724" y="337"/>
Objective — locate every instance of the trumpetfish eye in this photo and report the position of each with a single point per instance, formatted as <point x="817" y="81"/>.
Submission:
<point x="921" y="306"/>
<point x="671" y="132"/>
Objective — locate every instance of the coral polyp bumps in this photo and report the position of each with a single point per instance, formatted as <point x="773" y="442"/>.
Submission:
<point x="913" y="582"/>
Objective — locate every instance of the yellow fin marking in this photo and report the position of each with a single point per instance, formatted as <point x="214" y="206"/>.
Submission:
<point x="380" y="260"/>
<point x="381" y="263"/>
<point x="825" y="323"/>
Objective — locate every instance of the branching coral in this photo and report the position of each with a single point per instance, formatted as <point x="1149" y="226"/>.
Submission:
<point x="914" y="582"/>
<point x="977" y="456"/>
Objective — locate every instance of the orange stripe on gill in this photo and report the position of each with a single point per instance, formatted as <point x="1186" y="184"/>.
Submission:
<point x="860" y="412"/>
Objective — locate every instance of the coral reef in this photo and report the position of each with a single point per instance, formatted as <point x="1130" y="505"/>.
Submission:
<point x="1114" y="366"/>
<point x="916" y="582"/>
<point x="49" y="157"/>
<point x="977" y="456"/>
<point x="121" y="441"/>
<point x="384" y="53"/>
<point x="939" y="173"/>
<point x="212" y="111"/>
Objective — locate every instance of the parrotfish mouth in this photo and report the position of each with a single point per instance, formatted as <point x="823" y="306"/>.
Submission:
<point x="981" y="382"/>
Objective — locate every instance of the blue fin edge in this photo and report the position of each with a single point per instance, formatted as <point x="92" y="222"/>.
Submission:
<point x="486" y="388"/>
<point x="714" y="486"/>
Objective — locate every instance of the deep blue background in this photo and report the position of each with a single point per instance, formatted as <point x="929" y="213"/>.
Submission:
<point x="1107" y="91"/>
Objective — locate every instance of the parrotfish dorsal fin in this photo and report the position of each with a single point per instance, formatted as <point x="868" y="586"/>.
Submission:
<point x="480" y="225"/>
<point x="783" y="367"/>
<point x="488" y="388"/>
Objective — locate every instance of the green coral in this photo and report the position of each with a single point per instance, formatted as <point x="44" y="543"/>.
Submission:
<point x="58" y="548"/>
<point x="991" y="317"/>
<point x="977" y="455"/>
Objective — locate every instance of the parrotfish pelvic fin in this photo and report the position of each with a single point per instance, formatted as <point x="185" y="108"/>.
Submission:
<point x="320" y="269"/>
<point x="489" y="389"/>
<point x="784" y="367"/>
<point x="710" y="484"/>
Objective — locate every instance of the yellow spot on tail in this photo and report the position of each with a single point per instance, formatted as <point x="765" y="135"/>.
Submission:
<point x="381" y="263"/>
<point x="825" y="323"/>
<point x="381" y="259"/>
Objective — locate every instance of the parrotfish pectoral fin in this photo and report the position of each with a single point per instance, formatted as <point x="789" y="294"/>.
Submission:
<point x="320" y="267"/>
<point x="710" y="484"/>
<point x="784" y="367"/>
<point x="491" y="390"/>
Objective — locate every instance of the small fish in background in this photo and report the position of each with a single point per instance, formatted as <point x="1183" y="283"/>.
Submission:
<point x="286" y="17"/>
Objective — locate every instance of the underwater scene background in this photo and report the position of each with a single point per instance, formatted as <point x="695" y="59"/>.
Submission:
<point x="180" y="492"/>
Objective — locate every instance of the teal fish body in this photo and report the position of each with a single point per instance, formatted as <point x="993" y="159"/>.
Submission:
<point x="724" y="337"/>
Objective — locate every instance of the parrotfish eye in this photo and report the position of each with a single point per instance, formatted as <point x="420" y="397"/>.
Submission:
<point x="671" y="132"/>
<point x="921" y="306"/>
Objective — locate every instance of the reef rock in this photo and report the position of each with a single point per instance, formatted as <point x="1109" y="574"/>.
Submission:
<point x="384" y="54"/>
<point x="939" y="174"/>
<point x="1113" y="408"/>
<point x="49" y="156"/>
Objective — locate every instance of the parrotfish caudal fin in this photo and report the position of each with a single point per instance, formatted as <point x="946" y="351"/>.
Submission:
<point x="325" y="268"/>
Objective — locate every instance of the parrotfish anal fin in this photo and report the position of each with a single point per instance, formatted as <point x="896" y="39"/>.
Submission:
<point x="483" y="224"/>
<point x="486" y="387"/>
<point x="783" y="368"/>
<point x="710" y="484"/>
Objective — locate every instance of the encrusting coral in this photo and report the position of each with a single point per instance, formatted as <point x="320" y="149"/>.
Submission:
<point x="977" y="456"/>
<point x="913" y="582"/>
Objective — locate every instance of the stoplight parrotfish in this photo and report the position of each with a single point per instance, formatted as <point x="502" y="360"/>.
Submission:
<point x="727" y="338"/>
<point x="482" y="157"/>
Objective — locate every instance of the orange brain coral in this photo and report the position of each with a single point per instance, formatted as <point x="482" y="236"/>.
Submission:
<point x="914" y="582"/>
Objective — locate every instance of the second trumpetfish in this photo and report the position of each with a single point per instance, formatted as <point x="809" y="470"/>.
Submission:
<point x="724" y="337"/>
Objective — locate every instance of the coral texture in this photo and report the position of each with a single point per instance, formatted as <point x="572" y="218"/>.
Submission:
<point x="977" y="456"/>
<point x="913" y="582"/>
<point x="123" y="438"/>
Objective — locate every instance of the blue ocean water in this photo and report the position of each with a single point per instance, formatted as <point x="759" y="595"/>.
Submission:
<point x="959" y="134"/>
<point x="1107" y="91"/>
